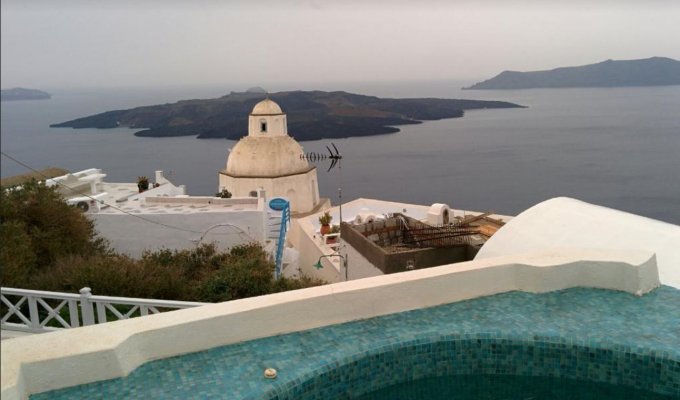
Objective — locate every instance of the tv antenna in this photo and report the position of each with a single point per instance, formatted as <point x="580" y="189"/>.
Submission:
<point x="333" y="155"/>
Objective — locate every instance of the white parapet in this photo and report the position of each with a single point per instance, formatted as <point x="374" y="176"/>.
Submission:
<point x="71" y="357"/>
<point x="565" y="222"/>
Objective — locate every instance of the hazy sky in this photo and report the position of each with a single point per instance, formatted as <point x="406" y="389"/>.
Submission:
<point x="65" y="43"/>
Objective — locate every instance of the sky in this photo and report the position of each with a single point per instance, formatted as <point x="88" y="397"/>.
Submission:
<point x="78" y="43"/>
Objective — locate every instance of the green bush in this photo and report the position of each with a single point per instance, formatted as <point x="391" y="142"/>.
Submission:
<point x="225" y="194"/>
<point x="17" y="258"/>
<point x="201" y="274"/>
<point x="246" y="273"/>
<point x="113" y="275"/>
<point x="194" y="264"/>
<point x="285" y="284"/>
<point x="38" y="227"/>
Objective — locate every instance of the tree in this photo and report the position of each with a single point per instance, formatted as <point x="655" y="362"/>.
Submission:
<point x="17" y="259"/>
<point x="39" y="227"/>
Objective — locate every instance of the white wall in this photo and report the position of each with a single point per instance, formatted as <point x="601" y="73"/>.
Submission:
<point x="305" y="194"/>
<point x="276" y="125"/>
<point x="307" y="244"/>
<point x="564" y="222"/>
<point x="358" y="266"/>
<point x="165" y="190"/>
<point x="130" y="235"/>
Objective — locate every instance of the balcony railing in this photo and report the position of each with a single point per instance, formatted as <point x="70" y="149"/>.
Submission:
<point x="38" y="311"/>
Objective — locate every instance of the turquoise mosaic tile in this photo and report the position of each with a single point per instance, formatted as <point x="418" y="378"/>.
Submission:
<point x="583" y="334"/>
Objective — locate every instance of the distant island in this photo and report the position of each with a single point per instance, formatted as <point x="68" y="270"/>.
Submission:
<point x="311" y="115"/>
<point x="23" y="94"/>
<point x="655" y="71"/>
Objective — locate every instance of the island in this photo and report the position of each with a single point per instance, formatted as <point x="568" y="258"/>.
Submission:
<point x="311" y="115"/>
<point x="23" y="94"/>
<point x="655" y="71"/>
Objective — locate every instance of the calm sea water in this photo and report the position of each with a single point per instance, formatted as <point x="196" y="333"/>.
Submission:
<point x="615" y="147"/>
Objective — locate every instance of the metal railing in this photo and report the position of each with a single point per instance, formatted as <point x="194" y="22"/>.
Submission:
<point x="38" y="311"/>
<point x="283" y="228"/>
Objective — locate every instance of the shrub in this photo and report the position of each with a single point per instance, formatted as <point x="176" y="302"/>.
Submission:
<point x="285" y="284"/>
<point x="142" y="183"/>
<point x="246" y="272"/>
<point x="17" y="259"/>
<point x="225" y="194"/>
<point x="200" y="274"/>
<point x="37" y="220"/>
<point x="194" y="264"/>
<point x="114" y="276"/>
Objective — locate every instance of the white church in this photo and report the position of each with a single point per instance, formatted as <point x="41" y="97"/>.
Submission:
<point x="269" y="159"/>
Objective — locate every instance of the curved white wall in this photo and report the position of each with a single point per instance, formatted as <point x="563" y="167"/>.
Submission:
<point x="305" y="193"/>
<point x="569" y="223"/>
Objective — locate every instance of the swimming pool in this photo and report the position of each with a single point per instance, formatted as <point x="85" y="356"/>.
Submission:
<point x="493" y="387"/>
<point x="589" y="335"/>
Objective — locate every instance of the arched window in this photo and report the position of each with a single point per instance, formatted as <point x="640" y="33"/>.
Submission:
<point x="263" y="126"/>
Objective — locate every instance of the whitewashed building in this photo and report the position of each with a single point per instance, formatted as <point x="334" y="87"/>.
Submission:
<point x="164" y="216"/>
<point x="338" y="260"/>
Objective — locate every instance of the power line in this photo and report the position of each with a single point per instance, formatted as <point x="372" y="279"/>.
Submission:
<point x="98" y="201"/>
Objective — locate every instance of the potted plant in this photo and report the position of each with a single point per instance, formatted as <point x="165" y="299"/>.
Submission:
<point x="325" y="221"/>
<point x="142" y="183"/>
<point x="225" y="194"/>
<point x="333" y="239"/>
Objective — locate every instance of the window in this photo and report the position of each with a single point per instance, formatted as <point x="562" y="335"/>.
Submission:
<point x="263" y="126"/>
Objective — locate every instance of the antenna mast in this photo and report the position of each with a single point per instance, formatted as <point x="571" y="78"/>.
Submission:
<point x="336" y="160"/>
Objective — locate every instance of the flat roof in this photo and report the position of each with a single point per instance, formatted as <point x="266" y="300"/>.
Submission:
<point x="182" y="205"/>
<point x="382" y="207"/>
<point x="51" y="172"/>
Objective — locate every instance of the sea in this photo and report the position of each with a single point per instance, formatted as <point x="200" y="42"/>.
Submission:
<point x="616" y="147"/>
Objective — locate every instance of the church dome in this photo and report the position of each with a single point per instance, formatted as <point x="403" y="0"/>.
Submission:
<point x="271" y="160"/>
<point x="266" y="157"/>
<point x="266" y="107"/>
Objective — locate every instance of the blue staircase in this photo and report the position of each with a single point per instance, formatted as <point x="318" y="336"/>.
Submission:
<point x="281" y="240"/>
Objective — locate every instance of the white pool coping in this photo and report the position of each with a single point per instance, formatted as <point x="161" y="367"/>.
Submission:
<point x="39" y="363"/>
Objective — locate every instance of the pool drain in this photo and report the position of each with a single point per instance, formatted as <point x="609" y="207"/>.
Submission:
<point x="270" y="373"/>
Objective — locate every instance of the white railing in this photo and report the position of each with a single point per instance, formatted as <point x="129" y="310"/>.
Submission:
<point x="41" y="311"/>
